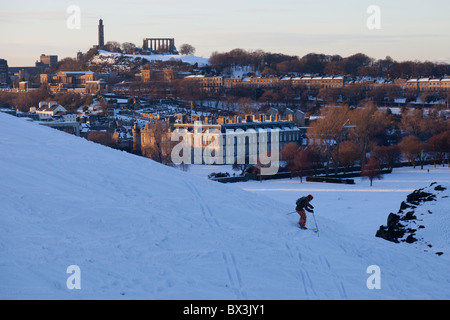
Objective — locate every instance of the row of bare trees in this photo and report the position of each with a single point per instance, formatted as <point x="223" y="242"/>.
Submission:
<point x="357" y="64"/>
<point x="343" y="138"/>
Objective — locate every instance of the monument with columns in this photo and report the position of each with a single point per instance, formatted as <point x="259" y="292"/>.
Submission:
<point x="159" y="45"/>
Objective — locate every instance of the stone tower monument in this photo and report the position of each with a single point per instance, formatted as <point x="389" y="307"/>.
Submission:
<point x="101" y="36"/>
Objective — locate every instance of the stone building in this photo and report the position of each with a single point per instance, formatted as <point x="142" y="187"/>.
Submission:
<point x="4" y="77"/>
<point x="48" y="60"/>
<point x="427" y="85"/>
<point x="240" y="141"/>
<point x="75" y="81"/>
<point x="153" y="141"/>
<point x="165" y="75"/>
<point x="207" y="83"/>
<point x="234" y="140"/>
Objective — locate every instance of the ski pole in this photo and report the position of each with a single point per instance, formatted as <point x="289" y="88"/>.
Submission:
<point x="291" y="212"/>
<point x="315" y="222"/>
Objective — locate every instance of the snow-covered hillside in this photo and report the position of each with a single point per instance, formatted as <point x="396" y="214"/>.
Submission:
<point x="111" y="58"/>
<point x="140" y="230"/>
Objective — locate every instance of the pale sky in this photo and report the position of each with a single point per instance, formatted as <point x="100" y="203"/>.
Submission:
<point x="410" y="29"/>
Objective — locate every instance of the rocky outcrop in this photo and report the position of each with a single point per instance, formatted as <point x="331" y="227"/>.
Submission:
<point x="398" y="227"/>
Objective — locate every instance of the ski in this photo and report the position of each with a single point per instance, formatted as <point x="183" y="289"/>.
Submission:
<point x="312" y="229"/>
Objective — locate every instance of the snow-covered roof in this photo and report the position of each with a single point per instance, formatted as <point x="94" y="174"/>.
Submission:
<point x="77" y="72"/>
<point x="194" y="76"/>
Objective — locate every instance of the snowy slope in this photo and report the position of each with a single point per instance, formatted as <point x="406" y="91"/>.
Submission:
<point x="140" y="230"/>
<point x="105" y="56"/>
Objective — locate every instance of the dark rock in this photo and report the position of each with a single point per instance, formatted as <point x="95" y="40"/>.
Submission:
<point x="409" y="216"/>
<point x="399" y="225"/>
<point x="392" y="219"/>
<point x="418" y="196"/>
<point x="390" y="234"/>
<point x="381" y="232"/>
<point x="404" y="206"/>
<point x="410" y="239"/>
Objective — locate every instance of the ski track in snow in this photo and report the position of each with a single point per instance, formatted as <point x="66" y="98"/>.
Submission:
<point x="326" y="272"/>
<point x="302" y="274"/>
<point x="229" y="260"/>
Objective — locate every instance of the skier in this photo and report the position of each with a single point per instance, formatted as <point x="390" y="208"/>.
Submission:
<point x="302" y="205"/>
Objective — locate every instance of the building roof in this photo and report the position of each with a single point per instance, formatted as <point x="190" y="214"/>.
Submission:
<point x="47" y="108"/>
<point x="76" y="72"/>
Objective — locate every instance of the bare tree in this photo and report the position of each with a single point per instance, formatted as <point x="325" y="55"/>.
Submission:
<point x="412" y="122"/>
<point x="287" y="154"/>
<point x="303" y="160"/>
<point x="328" y="131"/>
<point x="366" y="122"/>
<point x="371" y="170"/>
<point x="112" y="46"/>
<point x="387" y="155"/>
<point x="190" y="90"/>
<point x="128" y="47"/>
<point x="187" y="49"/>
<point x="413" y="149"/>
<point x="439" y="147"/>
<point x="157" y="144"/>
<point x="69" y="64"/>
<point x="102" y="137"/>
<point x="349" y="153"/>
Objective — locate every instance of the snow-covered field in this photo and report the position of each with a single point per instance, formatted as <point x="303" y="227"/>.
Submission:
<point x="140" y="230"/>
<point x="359" y="207"/>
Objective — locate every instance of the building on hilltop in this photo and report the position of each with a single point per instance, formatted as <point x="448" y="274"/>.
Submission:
<point x="48" y="60"/>
<point x="159" y="46"/>
<point x="4" y="77"/>
<point x="27" y="73"/>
